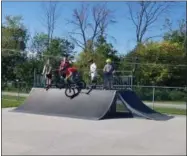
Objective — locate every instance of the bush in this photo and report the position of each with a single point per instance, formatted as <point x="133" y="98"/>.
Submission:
<point x="144" y="93"/>
<point x="177" y="95"/>
<point x="161" y="94"/>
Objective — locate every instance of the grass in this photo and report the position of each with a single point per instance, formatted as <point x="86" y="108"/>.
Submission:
<point x="18" y="98"/>
<point x="21" y="90"/>
<point x="167" y="102"/>
<point x="6" y="103"/>
<point x="171" y="111"/>
<point x="159" y="109"/>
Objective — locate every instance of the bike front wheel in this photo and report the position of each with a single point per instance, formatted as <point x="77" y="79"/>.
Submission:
<point x="69" y="92"/>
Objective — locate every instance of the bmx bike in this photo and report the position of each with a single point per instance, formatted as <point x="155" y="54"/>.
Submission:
<point x="73" y="89"/>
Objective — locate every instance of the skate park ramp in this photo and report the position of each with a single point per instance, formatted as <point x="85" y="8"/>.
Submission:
<point x="54" y="102"/>
<point x="99" y="104"/>
<point x="138" y="109"/>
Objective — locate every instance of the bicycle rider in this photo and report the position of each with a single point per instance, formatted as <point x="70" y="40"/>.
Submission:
<point x="64" y="64"/>
<point x="71" y="73"/>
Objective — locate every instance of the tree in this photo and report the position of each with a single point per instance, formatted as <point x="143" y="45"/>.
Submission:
<point x="39" y="43"/>
<point x="146" y="15"/>
<point x="14" y="40"/>
<point x="14" y="34"/>
<point x="25" y="71"/>
<point x="60" y="47"/>
<point x="106" y="49"/>
<point x="103" y="50"/>
<point x="101" y="16"/>
<point x="50" y="17"/>
<point x="178" y="35"/>
<point x="159" y="64"/>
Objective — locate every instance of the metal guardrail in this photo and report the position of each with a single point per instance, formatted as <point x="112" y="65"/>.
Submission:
<point x="148" y="93"/>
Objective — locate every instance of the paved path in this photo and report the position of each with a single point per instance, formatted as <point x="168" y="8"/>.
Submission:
<point x="168" y="105"/>
<point x="178" y="106"/>
<point x="15" y="94"/>
<point x="47" y="135"/>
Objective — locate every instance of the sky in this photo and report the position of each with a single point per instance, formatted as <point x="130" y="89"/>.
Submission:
<point x="123" y="31"/>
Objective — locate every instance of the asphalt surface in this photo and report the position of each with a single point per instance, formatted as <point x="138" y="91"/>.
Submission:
<point x="28" y="134"/>
<point x="168" y="105"/>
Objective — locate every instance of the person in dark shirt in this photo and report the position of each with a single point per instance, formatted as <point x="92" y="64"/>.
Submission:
<point x="108" y="71"/>
<point x="64" y="64"/>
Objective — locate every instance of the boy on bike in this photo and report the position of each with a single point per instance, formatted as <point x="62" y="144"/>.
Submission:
<point x="71" y="73"/>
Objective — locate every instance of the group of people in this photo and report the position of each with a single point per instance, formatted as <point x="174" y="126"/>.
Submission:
<point x="68" y="71"/>
<point x="108" y="72"/>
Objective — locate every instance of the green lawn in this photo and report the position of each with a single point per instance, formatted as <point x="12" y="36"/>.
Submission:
<point x="18" y="98"/>
<point x="167" y="102"/>
<point x="5" y="103"/>
<point x="159" y="109"/>
<point x="171" y="111"/>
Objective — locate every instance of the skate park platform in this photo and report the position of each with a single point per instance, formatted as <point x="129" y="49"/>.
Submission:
<point x="99" y="104"/>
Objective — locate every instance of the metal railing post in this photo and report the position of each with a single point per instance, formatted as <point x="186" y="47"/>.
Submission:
<point x="153" y="100"/>
<point x="34" y="83"/>
<point x="18" y="83"/>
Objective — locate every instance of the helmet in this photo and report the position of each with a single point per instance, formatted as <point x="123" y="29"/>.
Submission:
<point x="108" y="61"/>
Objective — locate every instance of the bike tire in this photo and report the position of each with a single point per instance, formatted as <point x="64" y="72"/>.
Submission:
<point x="68" y="90"/>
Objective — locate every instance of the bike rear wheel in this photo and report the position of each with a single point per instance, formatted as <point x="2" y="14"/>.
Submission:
<point x="69" y="92"/>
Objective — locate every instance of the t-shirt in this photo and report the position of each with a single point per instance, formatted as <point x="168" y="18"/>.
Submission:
<point x="93" y="68"/>
<point x="70" y="70"/>
<point x="64" y="64"/>
<point x="47" y="69"/>
<point x="108" y="68"/>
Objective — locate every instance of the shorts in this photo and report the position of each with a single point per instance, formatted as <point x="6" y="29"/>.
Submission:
<point x="93" y="76"/>
<point x="49" y="76"/>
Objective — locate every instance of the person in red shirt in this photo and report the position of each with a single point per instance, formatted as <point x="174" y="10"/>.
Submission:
<point x="71" y="73"/>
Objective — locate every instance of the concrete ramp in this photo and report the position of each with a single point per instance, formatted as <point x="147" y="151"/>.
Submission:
<point x="133" y="103"/>
<point x="54" y="102"/>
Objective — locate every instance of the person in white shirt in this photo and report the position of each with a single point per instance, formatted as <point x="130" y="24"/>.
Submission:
<point x="93" y="72"/>
<point x="47" y="69"/>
